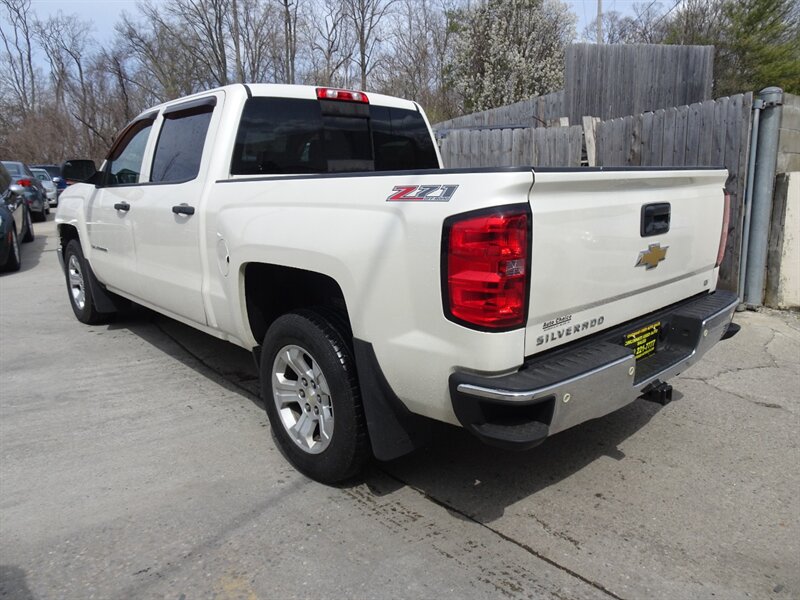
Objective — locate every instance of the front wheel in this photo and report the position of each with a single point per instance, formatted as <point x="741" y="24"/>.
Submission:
<point x="28" y="237"/>
<point x="13" y="260"/>
<point x="311" y="393"/>
<point x="80" y="293"/>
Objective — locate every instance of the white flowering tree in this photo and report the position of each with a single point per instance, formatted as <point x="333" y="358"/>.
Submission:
<point x="509" y="50"/>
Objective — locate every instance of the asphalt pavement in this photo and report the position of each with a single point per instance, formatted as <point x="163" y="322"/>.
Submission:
<point x="136" y="462"/>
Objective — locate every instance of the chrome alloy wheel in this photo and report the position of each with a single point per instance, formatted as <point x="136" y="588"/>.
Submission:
<point x="303" y="399"/>
<point x="76" y="286"/>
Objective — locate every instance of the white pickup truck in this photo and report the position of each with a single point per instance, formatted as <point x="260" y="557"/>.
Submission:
<point x="380" y="291"/>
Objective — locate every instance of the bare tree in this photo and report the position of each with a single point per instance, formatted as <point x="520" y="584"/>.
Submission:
<point x="200" y="26"/>
<point x="16" y="35"/>
<point x="289" y="13"/>
<point x="367" y="18"/>
<point x="259" y="29"/>
<point x="329" y="39"/>
<point x="617" y="29"/>
<point x="161" y="67"/>
<point x="415" y="65"/>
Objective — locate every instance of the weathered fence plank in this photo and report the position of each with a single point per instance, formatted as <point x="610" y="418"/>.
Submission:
<point x="614" y="80"/>
<point x="668" y="149"/>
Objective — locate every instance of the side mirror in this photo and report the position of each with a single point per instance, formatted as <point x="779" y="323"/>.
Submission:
<point x="56" y="179"/>
<point x="16" y="189"/>
<point x="78" y="170"/>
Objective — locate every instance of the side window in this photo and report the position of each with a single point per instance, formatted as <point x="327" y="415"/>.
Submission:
<point x="180" y="145"/>
<point x="125" y="162"/>
<point x="279" y="135"/>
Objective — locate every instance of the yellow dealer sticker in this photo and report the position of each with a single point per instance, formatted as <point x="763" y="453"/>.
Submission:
<point x="643" y="341"/>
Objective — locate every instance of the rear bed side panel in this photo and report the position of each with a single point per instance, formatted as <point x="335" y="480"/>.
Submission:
<point x="385" y="255"/>
<point x="586" y="244"/>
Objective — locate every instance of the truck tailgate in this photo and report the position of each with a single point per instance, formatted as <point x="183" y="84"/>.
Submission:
<point x="592" y="269"/>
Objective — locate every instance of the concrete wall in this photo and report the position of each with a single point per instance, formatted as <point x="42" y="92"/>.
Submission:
<point x="783" y="260"/>
<point x="789" y="140"/>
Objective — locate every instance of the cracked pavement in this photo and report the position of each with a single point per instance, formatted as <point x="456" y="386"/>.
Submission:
<point x="136" y="462"/>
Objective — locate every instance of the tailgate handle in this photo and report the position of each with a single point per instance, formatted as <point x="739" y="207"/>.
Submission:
<point x="655" y="219"/>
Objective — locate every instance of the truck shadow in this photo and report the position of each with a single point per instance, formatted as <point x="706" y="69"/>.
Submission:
<point x="471" y="479"/>
<point x="228" y="365"/>
<point x="13" y="583"/>
<point x="478" y="482"/>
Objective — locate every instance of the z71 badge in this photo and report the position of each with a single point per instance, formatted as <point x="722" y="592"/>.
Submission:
<point x="422" y="193"/>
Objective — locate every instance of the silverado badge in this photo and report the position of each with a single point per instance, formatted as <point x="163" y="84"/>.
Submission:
<point x="652" y="256"/>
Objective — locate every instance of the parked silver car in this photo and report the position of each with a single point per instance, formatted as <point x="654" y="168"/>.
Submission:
<point x="50" y="187"/>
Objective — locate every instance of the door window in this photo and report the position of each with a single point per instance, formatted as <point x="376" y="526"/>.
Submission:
<point x="180" y="145"/>
<point x="125" y="161"/>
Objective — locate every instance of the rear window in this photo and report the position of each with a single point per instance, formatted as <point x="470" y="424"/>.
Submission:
<point x="13" y="168"/>
<point x="290" y="136"/>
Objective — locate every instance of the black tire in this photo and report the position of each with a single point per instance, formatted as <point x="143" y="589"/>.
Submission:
<point x="39" y="216"/>
<point x="13" y="261"/>
<point x="28" y="237"/>
<point x="76" y="273"/>
<point x="324" y="340"/>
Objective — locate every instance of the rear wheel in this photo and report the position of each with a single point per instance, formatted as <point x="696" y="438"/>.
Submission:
<point x="80" y="293"/>
<point x="311" y="393"/>
<point x="13" y="261"/>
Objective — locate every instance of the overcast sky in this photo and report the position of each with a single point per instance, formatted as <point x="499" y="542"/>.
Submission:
<point x="105" y="13"/>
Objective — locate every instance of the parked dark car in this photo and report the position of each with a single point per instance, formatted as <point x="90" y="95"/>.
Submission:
<point x="15" y="222"/>
<point x="34" y="191"/>
<point x="55" y="173"/>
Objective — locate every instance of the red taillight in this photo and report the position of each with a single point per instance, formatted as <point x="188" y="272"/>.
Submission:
<point x="487" y="271"/>
<point x="723" y="236"/>
<point x="349" y="95"/>
<point x="24" y="182"/>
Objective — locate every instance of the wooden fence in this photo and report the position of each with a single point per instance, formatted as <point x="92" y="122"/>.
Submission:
<point x="534" y="112"/>
<point x="500" y="147"/>
<point x="614" y="80"/>
<point x="607" y="81"/>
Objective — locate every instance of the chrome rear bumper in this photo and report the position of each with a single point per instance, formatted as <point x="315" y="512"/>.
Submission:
<point x="588" y="378"/>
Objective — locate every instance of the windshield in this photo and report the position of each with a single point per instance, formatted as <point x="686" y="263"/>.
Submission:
<point x="41" y="174"/>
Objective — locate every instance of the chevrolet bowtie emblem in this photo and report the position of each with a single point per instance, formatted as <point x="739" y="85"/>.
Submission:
<point x="652" y="256"/>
